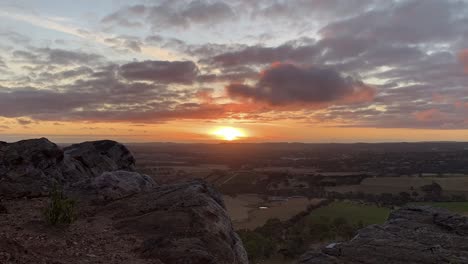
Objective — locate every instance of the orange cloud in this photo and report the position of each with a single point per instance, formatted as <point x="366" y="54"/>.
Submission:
<point x="428" y="115"/>
<point x="461" y="105"/>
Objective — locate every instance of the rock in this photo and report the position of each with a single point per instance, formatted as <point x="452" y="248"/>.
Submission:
<point x="423" y="235"/>
<point x="96" y="157"/>
<point x="32" y="167"/>
<point x="29" y="167"/>
<point x="119" y="184"/>
<point x="181" y="223"/>
<point x="3" y="209"/>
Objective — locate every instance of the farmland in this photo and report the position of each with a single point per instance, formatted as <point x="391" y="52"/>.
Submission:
<point x="352" y="212"/>
<point x="458" y="207"/>
<point x="250" y="212"/>
<point x="395" y="185"/>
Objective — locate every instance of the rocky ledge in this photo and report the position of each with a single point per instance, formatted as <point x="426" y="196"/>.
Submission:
<point x="124" y="216"/>
<point x="422" y="235"/>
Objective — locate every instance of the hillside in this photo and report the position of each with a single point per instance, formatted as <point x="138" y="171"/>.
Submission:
<point x="121" y="216"/>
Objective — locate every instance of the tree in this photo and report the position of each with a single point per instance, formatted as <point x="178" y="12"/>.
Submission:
<point x="433" y="191"/>
<point x="257" y="246"/>
<point x="271" y="229"/>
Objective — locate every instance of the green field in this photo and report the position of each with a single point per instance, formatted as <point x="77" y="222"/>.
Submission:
<point x="353" y="212"/>
<point x="370" y="214"/>
<point x="458" y="207"/>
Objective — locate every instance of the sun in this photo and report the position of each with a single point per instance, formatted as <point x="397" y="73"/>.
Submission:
<point x="229" y="133"/>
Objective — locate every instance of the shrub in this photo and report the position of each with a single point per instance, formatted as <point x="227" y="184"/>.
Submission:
<point x="257" y="246"/>
<point x="60" y="210"/>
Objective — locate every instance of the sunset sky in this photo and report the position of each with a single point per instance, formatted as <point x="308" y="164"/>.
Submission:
<point x="264" y="70"/>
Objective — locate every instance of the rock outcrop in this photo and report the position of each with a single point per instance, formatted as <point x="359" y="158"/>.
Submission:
<point x="95" y="157"/>
<point x="32" y="167"/>
<point x="115" y="185"/>
<point x="422" y="235"/>
<point x="29" y="167"/>
<point x="181" y="223"/>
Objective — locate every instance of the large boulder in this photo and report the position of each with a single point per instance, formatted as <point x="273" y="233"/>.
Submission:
<point x="115" y="185"/>
<point x="95" y="157"/>
<point x="29" y="167"/>
<point x="422" y="235"/>
<point x="181" y="223"/>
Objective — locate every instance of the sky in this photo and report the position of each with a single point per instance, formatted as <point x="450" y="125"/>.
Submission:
<point x="265" y="70"/>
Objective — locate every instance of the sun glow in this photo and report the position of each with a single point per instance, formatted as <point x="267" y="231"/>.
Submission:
<point x="229" y="133"/>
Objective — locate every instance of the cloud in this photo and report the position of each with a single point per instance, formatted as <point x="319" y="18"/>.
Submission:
<point x="400" y="53"/>
<point x="15" y="37"/>
<point x="266" y="55"/>
<point x="428" y="115"/>
<point x="123" y="43"/>
<point x="463" y="56"/>
<point x="24" y="122"/>
<point x="114" y="93"/>
<point x="307" y="9"/>
<point x="178" y="14"/>
<point x="121" y="17"/>
<point x="287" y="84"/>
<point x="2" y="63"/>
<point x="184" y="72"/>
<point x="47" y="56"/>
<point x="405" y="22"/>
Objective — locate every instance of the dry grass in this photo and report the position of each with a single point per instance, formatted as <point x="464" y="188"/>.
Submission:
<point x="282" y="210"/>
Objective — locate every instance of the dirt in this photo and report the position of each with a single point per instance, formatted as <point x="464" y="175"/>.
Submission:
<point x="26" y="238"/>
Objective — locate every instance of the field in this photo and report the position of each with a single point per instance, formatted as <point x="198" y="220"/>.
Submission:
<point x="458" y="207"/>
<point x="250" y="212"/>
<point x="395" y="185"/>
<point x="238" y="207"/>
<point x="353" y="212"/>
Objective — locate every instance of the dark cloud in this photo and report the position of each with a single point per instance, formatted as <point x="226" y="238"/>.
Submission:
<point x="286" y="84"/>
<point x="180" y="14"/>
<point x="410" y="21"/>
<point x="357" y="53"/>
<point x="124" y="16"/>
<point x="48" y="77"/>
<point x="308" y="9"/>
<point x="155" y="39"/>
<point x="184" y="72"/>
<point x="24" y="122"/>
<point x="265" y="55"/>
<point x="66" y="57"/>
<point x="202" y="51"/>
